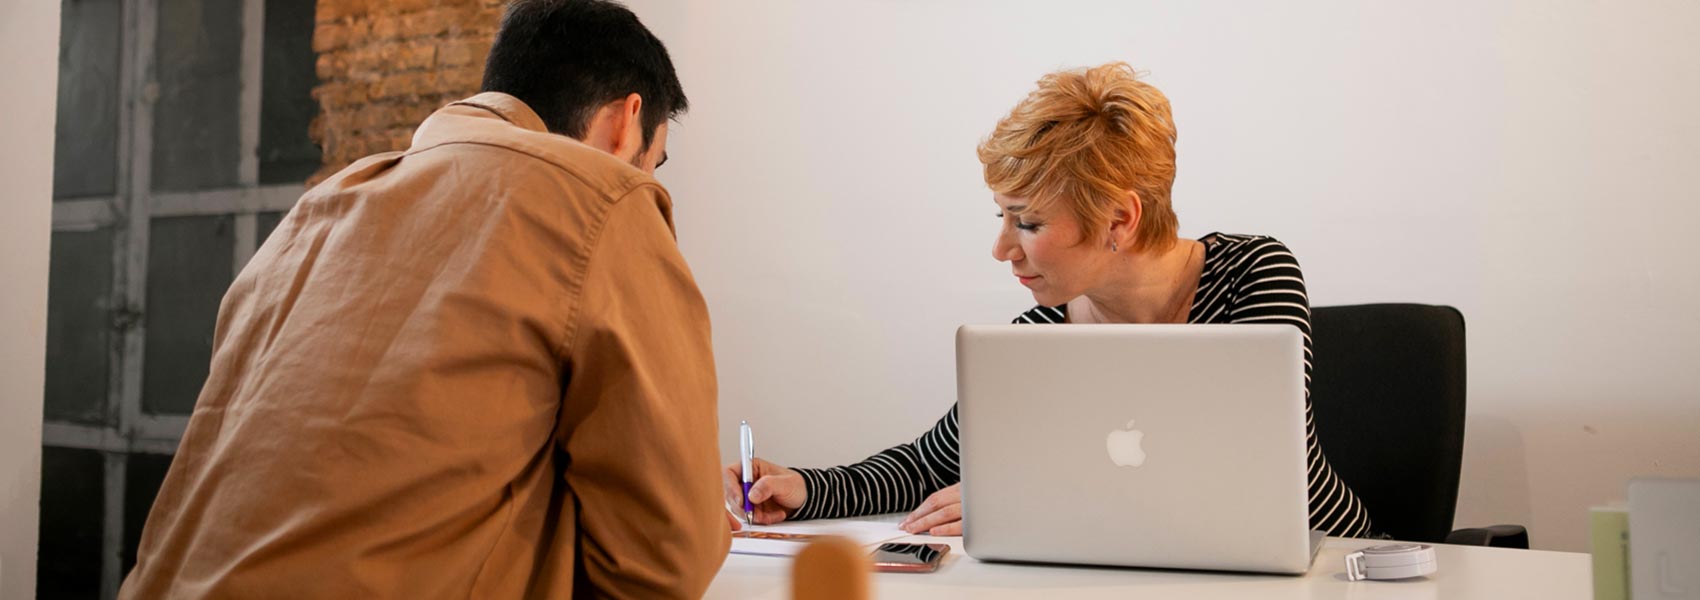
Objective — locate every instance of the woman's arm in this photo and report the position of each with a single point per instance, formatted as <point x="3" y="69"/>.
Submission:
<point x="1272" y="290"/>
<point x="895" y="480"/>
<point x="903" y="477"/>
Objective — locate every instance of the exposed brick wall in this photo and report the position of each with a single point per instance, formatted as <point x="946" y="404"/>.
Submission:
<point x="385" y="65"/>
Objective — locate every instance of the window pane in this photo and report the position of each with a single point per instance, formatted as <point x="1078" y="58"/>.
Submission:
<point x="287" y="107"/>
<point x="79" y="298"/>
<point x="199" y="64"/>
<point x="73" y="509"/>
<point x="189" y="267"/>
<point x="85" y="138"/>
<point x="142" y="477"/>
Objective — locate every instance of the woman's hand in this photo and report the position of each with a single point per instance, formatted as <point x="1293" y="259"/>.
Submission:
<point x="777" y="493"/>
<point x="940" y="514"/>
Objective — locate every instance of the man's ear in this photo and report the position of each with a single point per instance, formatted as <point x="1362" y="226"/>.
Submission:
<point x="1124" y="222"/>
<point x="628" y="121"/>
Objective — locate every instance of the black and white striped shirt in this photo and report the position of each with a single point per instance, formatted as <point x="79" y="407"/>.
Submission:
<point x="1246" y="279"/>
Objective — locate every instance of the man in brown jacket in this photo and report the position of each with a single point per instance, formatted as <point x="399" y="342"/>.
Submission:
<point x="477" y="368"/>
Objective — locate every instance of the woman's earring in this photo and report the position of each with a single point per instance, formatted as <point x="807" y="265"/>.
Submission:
<point x="1113" y="246"/>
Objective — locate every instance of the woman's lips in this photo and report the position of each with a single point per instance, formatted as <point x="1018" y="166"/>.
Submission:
<point x="1025" y="279"/>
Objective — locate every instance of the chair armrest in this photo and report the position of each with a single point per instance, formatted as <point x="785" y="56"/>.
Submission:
<point x="1498" y="536"/>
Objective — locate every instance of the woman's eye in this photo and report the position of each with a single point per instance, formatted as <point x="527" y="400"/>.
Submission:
<point x="1022" y="225"/>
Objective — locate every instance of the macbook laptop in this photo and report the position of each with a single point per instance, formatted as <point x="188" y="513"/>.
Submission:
<point x="1163" y="446"/>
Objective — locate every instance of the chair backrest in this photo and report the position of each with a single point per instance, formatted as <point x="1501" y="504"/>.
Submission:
<point x="1387" y="393"/>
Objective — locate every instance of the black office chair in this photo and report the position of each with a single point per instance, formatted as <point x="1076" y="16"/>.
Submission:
<point x="1387" y="393"/>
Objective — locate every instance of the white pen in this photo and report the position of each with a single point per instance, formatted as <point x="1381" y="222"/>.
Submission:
<point x="747" y="454"/>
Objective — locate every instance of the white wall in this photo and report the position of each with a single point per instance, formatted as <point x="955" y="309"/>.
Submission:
<point x="1531" y="163"/>
<point x="29" y="56"/>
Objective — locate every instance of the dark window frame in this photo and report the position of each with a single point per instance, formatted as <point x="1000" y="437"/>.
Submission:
<point x="120" y="429"/>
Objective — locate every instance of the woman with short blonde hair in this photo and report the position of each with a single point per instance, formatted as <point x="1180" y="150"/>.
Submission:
<point x="1085" y="140"/>
<point x="1081" y="172"/>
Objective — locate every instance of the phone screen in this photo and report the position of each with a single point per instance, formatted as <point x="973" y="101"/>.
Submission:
<point x="910" y="557"/>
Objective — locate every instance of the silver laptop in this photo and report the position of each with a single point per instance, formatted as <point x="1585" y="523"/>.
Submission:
<point x="1165" y="446"/>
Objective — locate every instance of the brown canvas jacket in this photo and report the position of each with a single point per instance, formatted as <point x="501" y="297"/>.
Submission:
<point x="478" y="368"/>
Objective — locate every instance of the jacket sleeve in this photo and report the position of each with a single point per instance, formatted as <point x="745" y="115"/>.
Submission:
<point x="638" y="420"/>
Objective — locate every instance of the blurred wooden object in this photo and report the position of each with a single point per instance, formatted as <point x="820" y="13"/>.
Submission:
<point x="831" y="568"/>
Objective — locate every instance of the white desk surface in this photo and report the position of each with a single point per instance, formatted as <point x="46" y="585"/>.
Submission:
<point x="1465" y="572"/>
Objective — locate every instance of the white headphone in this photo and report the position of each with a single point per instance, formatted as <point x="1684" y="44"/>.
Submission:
<point x="1391" y="561"/>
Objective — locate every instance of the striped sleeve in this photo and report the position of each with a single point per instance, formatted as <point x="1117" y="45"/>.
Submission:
<point x="901" y="477"/>
<point x="1271" y="289"/>
<point x="895" y="480"/>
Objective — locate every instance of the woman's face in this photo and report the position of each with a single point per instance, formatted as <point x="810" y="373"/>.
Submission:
<point x="1044" y="250"/>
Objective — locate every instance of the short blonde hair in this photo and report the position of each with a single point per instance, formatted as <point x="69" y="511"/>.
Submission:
<point x="1084" y="138"/>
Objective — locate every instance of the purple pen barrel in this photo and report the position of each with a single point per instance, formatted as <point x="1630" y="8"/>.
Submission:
<point x="747" y="506"/>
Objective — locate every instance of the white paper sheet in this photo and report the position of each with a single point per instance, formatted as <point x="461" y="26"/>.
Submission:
<point x="787" y="539"/>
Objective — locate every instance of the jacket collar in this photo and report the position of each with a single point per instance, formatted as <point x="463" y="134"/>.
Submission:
<point x="507" y="107"/>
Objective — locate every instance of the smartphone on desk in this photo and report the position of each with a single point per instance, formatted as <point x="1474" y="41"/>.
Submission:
<point x="909" y="558"/>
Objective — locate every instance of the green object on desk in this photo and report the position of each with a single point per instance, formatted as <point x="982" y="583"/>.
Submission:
<point x="1608" y="533"/>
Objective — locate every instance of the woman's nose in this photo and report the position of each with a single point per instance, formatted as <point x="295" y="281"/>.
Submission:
<point x="1004" y="249"/>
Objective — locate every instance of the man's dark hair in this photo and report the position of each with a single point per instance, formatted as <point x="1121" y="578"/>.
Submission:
<point x="567" y="58"/>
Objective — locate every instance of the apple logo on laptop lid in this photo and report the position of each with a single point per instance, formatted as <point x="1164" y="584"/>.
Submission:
<point x="1124" y="446"/>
